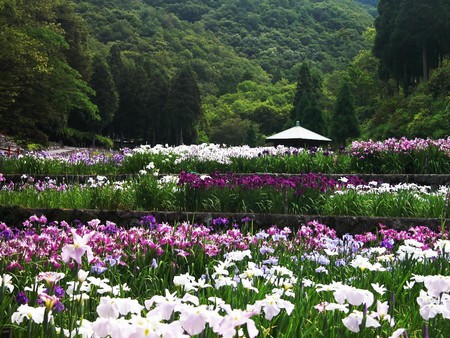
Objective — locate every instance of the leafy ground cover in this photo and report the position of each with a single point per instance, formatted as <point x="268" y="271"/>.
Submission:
<point x="222" y="279"/>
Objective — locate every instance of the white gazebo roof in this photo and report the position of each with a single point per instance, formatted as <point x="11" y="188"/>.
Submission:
<point x="298" y="133"/>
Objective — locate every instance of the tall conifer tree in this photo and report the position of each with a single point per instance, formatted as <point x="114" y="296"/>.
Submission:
<point x="183" y="107"/>
<point x="306" y="108"/>
<point x="344" y="122"/>
<point x="411" y="38"/>
<point x="106" y="97"/>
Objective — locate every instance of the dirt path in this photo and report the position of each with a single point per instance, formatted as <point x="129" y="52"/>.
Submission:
<point x="64" y="150"/>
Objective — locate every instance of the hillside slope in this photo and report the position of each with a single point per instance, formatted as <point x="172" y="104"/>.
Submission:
<point x="277" y="35"/>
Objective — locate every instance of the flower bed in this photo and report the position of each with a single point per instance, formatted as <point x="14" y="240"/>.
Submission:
<point x="159" y="280"/>
<point x="312" y="194"/>
<point x="403" y="156"/>
<point x="227" y="277"/>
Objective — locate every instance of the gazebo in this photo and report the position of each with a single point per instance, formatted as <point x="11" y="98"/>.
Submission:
<point x="298" y="137"/>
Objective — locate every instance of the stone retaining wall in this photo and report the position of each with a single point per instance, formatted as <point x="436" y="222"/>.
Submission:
<point x="14" y="216"/>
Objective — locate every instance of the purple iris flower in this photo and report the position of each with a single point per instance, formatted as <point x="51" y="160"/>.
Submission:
<point x="58" y="307"/>
<point x="21" y="298"/>
<point x="98" y="269"/>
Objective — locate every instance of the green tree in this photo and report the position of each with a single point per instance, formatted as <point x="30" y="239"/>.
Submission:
<point x="250" y="136"/>
<point x="183" y="107"/>
<point x="76" y="35"/>
<point x="106" y="97"/>
<point x="411" y="38"/>
<point x="41" y="88"/>
<point x="233" y="132"/>
<point x="344" y="123"/>
<point x="306" y="106"/>
<point x="133" y="102"/>
<point x="154" y="118"/>
<point x="268" y="119"/>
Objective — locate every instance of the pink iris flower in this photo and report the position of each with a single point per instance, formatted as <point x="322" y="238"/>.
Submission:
<point x="78" y="248"/>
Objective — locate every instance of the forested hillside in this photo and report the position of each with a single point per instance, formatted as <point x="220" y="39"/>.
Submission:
<point x="203" y="70"/>
<point x="279" y="35"/>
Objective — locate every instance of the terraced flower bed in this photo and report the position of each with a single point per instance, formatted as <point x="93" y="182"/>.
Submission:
<point x="212" y="263"/>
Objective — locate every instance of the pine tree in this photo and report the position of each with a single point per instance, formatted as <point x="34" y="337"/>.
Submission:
<point x="154" y="118"/>
<point x="183" y="107"/>
<point x="411" y="38"/>
<point x="304" y="91"/>
<point x="250" y="135"/>
<point x="344" y="122"/>
<point x="306" y="108"/>
<point x="313" y="119"/>
<point x="106" y="97"/>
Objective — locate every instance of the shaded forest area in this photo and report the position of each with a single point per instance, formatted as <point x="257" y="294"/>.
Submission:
<point x="235" y="71"/>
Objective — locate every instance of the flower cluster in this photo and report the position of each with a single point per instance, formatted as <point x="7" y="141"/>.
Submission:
<point x="319" y="182"/>
<point x="403" y="145"/>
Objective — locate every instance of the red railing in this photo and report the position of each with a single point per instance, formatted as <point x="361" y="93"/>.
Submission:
<point x="10" y="151"/>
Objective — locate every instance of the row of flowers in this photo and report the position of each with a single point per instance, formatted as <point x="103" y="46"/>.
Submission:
<point x="418" y="156"/>
<point x="158" y="280"/>
<point x="313" y="194"/>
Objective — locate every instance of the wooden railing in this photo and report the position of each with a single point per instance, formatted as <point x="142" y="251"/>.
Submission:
<point x="11" y="151"/>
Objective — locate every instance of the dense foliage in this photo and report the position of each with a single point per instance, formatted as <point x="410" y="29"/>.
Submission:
<point x="412" y="38"/>
<point x="60" y="61"/>
<point x="41" y="62"/>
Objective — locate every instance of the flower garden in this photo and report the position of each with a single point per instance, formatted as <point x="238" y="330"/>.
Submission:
<point x="227" y="277"/>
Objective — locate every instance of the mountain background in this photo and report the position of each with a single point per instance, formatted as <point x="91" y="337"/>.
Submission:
<point x="232" y="71"/>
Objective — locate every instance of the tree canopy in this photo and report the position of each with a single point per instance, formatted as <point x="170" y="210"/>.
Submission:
<point x="175" y="71"/>
<point x="412" y="38"/>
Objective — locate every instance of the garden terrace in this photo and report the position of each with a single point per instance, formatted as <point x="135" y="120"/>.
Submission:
<point x="232" y="252"/>
<point x="307" y="194"/>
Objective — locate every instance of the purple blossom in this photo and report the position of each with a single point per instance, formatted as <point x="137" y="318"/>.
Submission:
<point x="148" y="221"/>
<point x="21" y="298"/>
<point x="220" y="221"/>
<point x="266" y="249"/>
<point x="271" y="261"/>
<point x="154" y="263"/>
<point x="110" y="228"/>
<point x="298" y="183"/>
<point x="58" y="307"/>
<point x="387" y="243"/>
<point x="112" y="260"/>
<point x="262" y="235"/>
<point x="98" y="269"/>
<point x="58" y="291"/>
<point x="340" y="262"/>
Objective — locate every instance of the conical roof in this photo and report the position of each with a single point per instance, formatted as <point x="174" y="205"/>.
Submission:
<point x="298" y="133"/>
